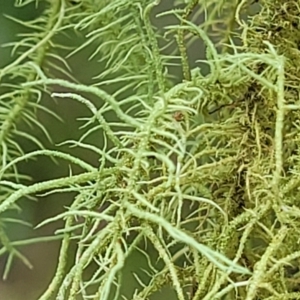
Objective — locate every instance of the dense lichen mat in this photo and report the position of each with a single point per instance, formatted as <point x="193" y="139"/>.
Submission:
<point x="199" y="159"/>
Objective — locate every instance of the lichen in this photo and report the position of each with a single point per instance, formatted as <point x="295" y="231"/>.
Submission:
<point x="208" y="162"/>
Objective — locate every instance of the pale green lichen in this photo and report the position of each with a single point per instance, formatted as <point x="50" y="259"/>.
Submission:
<point x="209" y="164"/>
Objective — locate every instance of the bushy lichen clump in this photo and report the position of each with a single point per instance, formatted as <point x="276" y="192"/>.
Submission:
<point x="207" y="166"/>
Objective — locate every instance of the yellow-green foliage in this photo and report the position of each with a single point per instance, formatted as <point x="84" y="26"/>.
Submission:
<point x="208" y="163"/>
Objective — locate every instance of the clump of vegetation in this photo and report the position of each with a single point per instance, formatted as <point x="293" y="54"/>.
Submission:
<point x="205" y="168"/>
